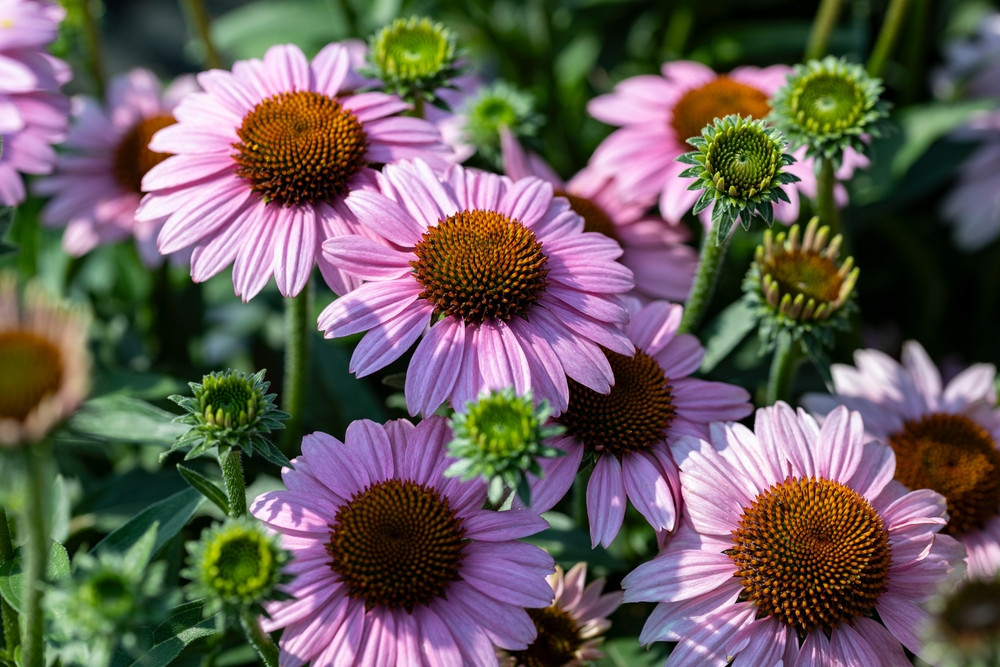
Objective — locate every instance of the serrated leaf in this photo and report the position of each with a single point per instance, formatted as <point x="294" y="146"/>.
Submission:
<point x="172" y="513"/>
<point x="725" y="332"/>
<point x="125" y="419"/>
<point x="12" y="580"/>
<point x="205" y="487"/>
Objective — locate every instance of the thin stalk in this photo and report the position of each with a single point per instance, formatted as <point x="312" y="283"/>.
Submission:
<point x="826" y="204"/>
<point x="887" y="36"/>
<point x="419" y="105"/>
<point x="95" y="49"/>
<point x="201" y="23"/>
<point x="230" y="460"/>
<point x="298" y="326"/>
<point x="709" y="263"/>
<point x="822" y="28"/>
<point x="783" y="365"/>
<point x="260" y="640"/>
<point x="37" y="551"/>
<point x="11" y="633"/>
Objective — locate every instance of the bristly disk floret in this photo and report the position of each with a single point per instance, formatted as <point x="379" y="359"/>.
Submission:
<point x="797" y="286"/>
<point x="236" y="566"/>
<point x="738" y="164"/>
<point x="498" y="105"/>
<point x="499" y="437"/>
<point x="414" y="57"/>
<point x="828" y="106"/>
<point x="230" y="409"/>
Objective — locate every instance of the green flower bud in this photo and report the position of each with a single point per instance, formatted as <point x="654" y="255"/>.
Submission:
<point x="493" y="107"/>
<point x="414" y="57"/>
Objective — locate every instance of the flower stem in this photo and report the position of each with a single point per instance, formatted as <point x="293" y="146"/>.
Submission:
<point x="887" y="37"/>
<point x="201" y="24"/>
<point x="95" y="63"/>
<point x="230" y="459"/>
<point x="783" y="365"/>
<point x="826" y="204"/>
<point x="297" y="323"/>
<point x="11" y="633"/>
<point x="822" y="27"/>
<point x="37" y="551"/>
<point x="709" y="263"/>
<point x="260" y="640"/>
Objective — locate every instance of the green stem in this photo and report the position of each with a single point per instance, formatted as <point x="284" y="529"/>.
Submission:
<point x="230" y="460"/>
<point x="298" y="325"/>
<point x="709" y="263"/>
<point x="260" y="640"/>
<point x="887" y="37"/>
<point x="201" y="24"/>
<point x="37" y="551"/>
<point x="92" y="33"/>
<point x="822" y="27"/>
<point x="419" y="105"/>
<point x="783" y="365"/>
<point x="11" y="633"/>
<point x="826" y="204"/>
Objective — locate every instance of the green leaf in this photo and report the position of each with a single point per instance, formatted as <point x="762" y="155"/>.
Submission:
<point x="172" y="513"/>
<point x="726" y="331"/>
<point x="184" y="625"/>
<point x="626" y="652"/>
<point x="248" y="30"/>
<point x="922" y="124"/>
<point x="125" y="419"/>
<point x="11" y="581"/>
<point x="205" y="487"/>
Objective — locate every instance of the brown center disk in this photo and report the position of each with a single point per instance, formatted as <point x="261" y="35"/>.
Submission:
<point x="716" y="99"/>
<point x="807" y="273"/>
<point x="32" y="369"/>
<point x="594" y="217"/>
<point x="557" y="642"/>
<point x="132" y="155"/>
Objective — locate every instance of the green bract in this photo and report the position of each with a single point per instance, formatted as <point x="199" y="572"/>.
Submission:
<point x="496" y="106"/>
<point x="738" y="164"/>
<point x="414" y="57"/>
<point x="230" y="409"/>
<point x="797" y="286"/>
<point x="499" y="437"/>
<point x="828" y="106"/>
<point x="236" y="565"/>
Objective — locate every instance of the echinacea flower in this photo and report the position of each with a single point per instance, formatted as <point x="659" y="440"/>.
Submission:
<point x="964" y="630"/>
<point x="657" y="114"/>
<point x="569" y="629"/>
<point x="96" y="187"/>
<point x="945" y="437"/>
<point x="497" y="277"/>
<point x="395" y="563"/>
<point x="33" y="114"/>
<point x="264" y="163"/>
<point x="794" y="538"/>
<point x="662" y="264"/>
<point x="627" y="432"/>
<point x="44" y="362"/>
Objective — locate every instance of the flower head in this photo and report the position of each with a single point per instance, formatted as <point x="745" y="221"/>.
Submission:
<point x="626" y="432"/>
<point x="739" y="167"/>
<point x="230" y="409"/>
<point x="965" y="625"/>
<point x="44" y="362"/>
<point x="828" y="106"/>
<point x="498" y="437"/>
<point x="662" y="263"/>
<point x="96" y="187"/>
<point x="515" y="293"/>
<point x="264" y="164"/>
<point x="491" y="110"/>
<point x="394" y="562"/>
<point x="236" y="565"/>
<point x="414" y="57"/>
<point x="945" y="437"/>
<point x="657" y="114"/>
<point x="797" y="285"/>
<point x="569" y="629"/>
<point x="795" y="536"/>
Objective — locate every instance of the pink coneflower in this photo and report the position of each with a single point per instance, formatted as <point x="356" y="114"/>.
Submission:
<point x="658" y="113"/>
<point x="498" y="277"/>
<point x="96" y="186"/>
<point x="945" y="437"/>
<point x="663" y="266"/>
<point x="396" y="564"/>
<point x="569" y="629"/>
<point x="794" y="537"/>
<point x="33" y="115"/>
<point x="627" y="432"/>
<point x="265" y="161"/>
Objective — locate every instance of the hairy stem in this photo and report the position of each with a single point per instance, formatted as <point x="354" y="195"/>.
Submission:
<point x="260" y="640"/>
<point x="230" y="459"/>
<point x="709" y="263"/>
<point x="783" y="365"/>
<point x="298" y="324"/>
<point x="36" y="552"/>
<point x="826" y="204"/>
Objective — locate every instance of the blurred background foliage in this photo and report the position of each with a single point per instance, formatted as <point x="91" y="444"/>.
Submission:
<point x="154" y="331"/>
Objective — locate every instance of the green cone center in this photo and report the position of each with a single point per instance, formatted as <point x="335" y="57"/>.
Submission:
<point x="743" y="161"/>
<point x="241" y="564"/>
<point x="956" y="457"/>
<point x="32" y="370"/>
<point x="397" y="544"/>
<point x="811" y="553"/>
<point x="413" y="49"/>
<point x="827" y="103"/>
